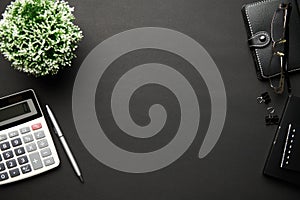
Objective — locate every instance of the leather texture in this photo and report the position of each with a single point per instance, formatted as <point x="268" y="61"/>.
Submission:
<point x="258" y="17"/>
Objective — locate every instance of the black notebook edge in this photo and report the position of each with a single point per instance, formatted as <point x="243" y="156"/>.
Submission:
<point x="276" y="136"/>
<point x="279" y="174"/>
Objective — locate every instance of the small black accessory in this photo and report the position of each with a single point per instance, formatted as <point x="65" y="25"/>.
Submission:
<point x="271" y="119"/>
<point x="264" y="98"/>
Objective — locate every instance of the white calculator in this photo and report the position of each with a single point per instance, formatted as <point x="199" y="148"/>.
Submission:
<point x="26" y="145"/>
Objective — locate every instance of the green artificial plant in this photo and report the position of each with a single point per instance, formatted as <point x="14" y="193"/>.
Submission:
<point x="39" y="36"/>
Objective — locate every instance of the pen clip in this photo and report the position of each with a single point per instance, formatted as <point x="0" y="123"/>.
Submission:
<point x="54" y="123"/>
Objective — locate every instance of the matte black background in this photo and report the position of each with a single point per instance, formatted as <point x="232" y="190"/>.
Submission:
<point x="233" y="170"/>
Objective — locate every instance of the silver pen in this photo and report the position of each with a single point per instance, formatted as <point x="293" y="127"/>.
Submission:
<point x="64" y="144"/>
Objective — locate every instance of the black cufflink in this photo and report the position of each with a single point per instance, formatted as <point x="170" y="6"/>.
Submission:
<point x="264" y="98"/>
<point x="271" y="119"/>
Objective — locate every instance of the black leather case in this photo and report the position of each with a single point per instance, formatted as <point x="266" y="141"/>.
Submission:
<point x="283" y="161"/>
<point x="257" y="17"/>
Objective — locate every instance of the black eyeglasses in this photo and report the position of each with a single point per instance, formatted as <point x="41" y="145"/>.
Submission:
<point x="279" y="35"/>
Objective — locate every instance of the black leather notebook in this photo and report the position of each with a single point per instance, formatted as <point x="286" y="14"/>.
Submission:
<point x="258" y="17"/>
<point x="284" y="158"/>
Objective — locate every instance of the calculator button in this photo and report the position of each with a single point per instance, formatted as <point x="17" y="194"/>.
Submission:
<point x="28" y="138"/>
<point x="25" y="130"/>
<point x="39" y="135"/>
<point x="3" y="176"/>
<point x="11" y="164"/>
<point x="14" y="172"/>
<point x="45" y="152"/>
<point x="0" y="158"/>
<point x="19" y="151"/>
<point x="25" y="169"/>
<point x="31" y="147"/>
<point x="36" y="160"/>
<point x="22" y="160"/>
<point x="16" y="142"/>
<point x="36" y="126"/>
<point x="2" y="167"/>
<point x="42" y="143"/>
<point x="4" y="146"/>
<point x="3" y="137"/>
<point x="13" y="134"/>
<point x="49" y="161"/>
<point x="8" y="155"/>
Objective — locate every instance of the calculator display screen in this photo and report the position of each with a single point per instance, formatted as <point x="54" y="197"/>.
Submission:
<point x="17" y="111"/>
<point x="14" y="111"/>
<point x="19" y="108"/>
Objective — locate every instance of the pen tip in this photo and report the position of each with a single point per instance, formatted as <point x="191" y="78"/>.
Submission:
<point x="81" y="179"/>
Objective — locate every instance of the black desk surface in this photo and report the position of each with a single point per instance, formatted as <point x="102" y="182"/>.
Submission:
<point x="232" y="170"/>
